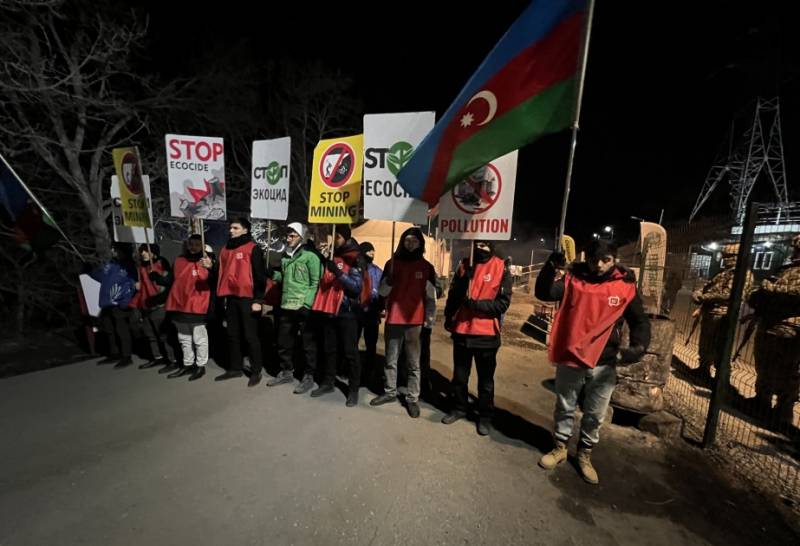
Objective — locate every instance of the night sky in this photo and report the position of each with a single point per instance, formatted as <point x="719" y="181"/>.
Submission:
<point x="664" y="83"/>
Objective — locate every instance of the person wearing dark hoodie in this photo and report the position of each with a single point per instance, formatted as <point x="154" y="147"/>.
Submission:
<point x="404" y="284"/>
<point x="189" y="300"/>
<point x="597" y="297"/>
<point x="117" y="279"/>
<point x="242" y="282"/>
<point x="369" y="316"/>
<point x="338" y="300"/>
<point x="478" y="297"/>
<point x="155" y="278"/>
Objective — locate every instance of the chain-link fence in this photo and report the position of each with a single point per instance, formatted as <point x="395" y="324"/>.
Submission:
<point x="751" y="417"/>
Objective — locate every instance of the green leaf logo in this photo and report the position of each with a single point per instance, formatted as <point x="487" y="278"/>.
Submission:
<point x="398" y="156"/>
<point x="273" y="173"/>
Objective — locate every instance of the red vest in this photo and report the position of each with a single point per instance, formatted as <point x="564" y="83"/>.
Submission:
<point x="406" y="301"/>
<point x="586" y="317"/>
<point x="330" y="293"/>
<point x="236" y="271"/>
<point x="190" y="292"/>
<point x="486" y="283"/>
<point x="147" y="288"/>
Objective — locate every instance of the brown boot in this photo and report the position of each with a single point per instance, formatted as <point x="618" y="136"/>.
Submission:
<point x="588" y="473"/>
<point x="559" y="454"/>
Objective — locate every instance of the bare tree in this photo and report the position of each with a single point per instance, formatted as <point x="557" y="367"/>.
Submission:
<point x="69" y="93"/>
<point x="309" y="103"/>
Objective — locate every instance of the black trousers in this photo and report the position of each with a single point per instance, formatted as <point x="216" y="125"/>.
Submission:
<point x="116" y="323"/>
<point x="485" y="364"/>
<point x="243" y="323"/>
<point x="369" y="323"/>
<point x="341" y="337"/>
<point x="425" y="355"/>
<point x="157" y="333"/>
<point x="290" y="325"/>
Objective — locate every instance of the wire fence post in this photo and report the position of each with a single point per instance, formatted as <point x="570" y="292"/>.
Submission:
<point x="721" y="386"/>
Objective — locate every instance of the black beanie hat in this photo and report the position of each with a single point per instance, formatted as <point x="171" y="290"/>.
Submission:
<point x="344" y="230"/>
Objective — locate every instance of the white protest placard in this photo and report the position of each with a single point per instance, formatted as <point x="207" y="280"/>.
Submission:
<point x="127" y="234"/>
<point x="91" y="294"/>
<point x="481" y="205"/>
<point x="196" y="171"/>
<point x="389" y="142"/>
<point x="269" y="189"/>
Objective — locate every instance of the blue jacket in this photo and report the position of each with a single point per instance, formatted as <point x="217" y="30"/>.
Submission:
<point x="352" y="281"/>
<point x="375" y="274"/>
<point x="116" y="284"/>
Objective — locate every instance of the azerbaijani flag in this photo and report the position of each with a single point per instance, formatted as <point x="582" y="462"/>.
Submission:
<point x="524" y="89"/>
<point x="32" y="229"/>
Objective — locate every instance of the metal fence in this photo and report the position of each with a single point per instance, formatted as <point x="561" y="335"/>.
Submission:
<point x="759" y="441"/>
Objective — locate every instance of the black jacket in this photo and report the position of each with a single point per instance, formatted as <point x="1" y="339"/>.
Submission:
<point x="457" y="295"/>
<point x="548" y="289"/>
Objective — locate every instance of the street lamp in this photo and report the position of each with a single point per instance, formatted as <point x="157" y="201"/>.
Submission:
<point x="610" y="231"/>
<point x="596" y="235"/>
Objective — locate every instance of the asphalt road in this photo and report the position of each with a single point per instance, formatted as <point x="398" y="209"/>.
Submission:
<point x="92" y="455"/>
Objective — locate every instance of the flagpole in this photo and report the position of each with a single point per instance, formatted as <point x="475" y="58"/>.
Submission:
<point x="41" y="207"/>
<point x="576" y="119"/>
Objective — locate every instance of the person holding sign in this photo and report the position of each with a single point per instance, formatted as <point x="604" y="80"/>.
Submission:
<point x="299" y="279"/>
<point x="117" y="279"/>
<point x="155" y="278"/>
<point x="404" y="284"/>
<point x="479" y="296"/>
<point x="188" y="301"/>
<point x="370" y="313"/>
<point x="242" y="282"/>
<point x="338" y="300"/>
<point x="597" y="297"/>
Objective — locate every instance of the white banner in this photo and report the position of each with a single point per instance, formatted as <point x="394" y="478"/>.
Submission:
<point x="127" y="234"/>
<point x="196" y="170"/>
<point x="269" y="188"/>
<point x="481" y="206"/>
<point x="389" y="142"/>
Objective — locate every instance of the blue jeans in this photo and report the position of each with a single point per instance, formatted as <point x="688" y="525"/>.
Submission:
<point x="598" y="384"/>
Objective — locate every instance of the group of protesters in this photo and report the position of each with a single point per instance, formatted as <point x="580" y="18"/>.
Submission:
<point x="322" y="304"/>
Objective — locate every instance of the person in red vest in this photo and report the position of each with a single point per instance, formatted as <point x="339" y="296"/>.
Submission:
<point x="404" y="284"/>
<point x="242" y="282"/>
<point x="189" y="300"/>
<point x="479" y="295"/>
<point x="338" y="301"/>
<point x="155" y="278"/>
<point x="596" y="297"/>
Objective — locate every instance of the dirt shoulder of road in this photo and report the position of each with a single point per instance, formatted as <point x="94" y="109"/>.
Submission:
<point x="640" y="473"/>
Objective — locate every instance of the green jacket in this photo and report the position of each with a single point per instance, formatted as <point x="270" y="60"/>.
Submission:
<point x="300" y="279"/>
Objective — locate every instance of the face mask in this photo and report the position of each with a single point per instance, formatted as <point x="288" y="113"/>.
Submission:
<point x="482" y="255"/>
